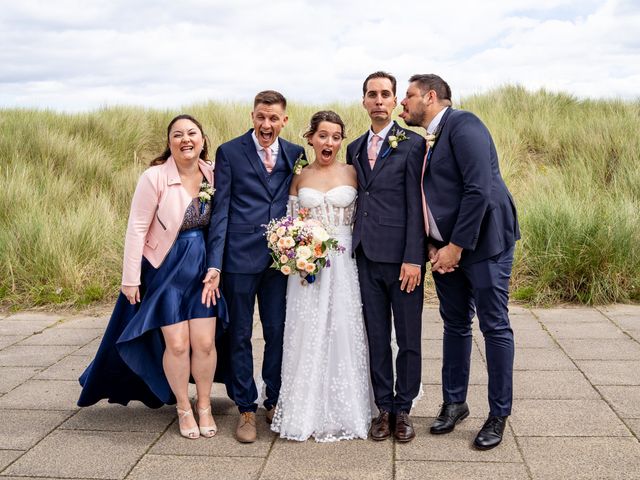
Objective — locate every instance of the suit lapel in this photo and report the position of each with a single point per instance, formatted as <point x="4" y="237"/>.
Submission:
<point x="380" y="161"/>
<point x="358" y="159"/>
<point x="254" y="159"/>
<point x="287" y="160"/>
<point x="439" y="130"/>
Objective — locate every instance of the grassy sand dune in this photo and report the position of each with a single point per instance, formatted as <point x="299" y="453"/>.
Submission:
<point x="573" y="166"/>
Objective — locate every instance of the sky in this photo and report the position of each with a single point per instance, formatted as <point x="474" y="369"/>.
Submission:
<point x="81" y="55"/>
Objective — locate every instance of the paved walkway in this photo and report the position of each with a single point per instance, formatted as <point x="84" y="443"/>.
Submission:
<point x="576" y="414"/>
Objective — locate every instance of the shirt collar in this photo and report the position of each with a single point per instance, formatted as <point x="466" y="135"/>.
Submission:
<point x="433" y="126"/>
<point x="382" y="133"/>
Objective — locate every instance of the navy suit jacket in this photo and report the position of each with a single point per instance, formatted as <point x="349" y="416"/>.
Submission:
<point x="466" y="194"/>
<point x="246" y="198"/>
<point x="389" y="223"/>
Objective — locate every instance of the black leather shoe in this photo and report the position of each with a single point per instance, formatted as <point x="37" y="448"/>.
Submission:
<point x="380" y="429"/>
<point x="490" y="435"/>
<point x="404" y="431"/>
<point x="450" y="414"/>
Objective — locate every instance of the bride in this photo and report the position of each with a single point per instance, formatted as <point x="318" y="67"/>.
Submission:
<point x="325" y="389"/>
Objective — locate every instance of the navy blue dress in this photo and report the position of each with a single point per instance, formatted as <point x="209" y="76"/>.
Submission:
<point x="128" y="363"/>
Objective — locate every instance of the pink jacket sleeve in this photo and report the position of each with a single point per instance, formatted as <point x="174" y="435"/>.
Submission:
<point x="143" y="208"/>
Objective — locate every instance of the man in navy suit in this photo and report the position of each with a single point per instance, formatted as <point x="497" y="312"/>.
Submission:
<point x="252" y="177"/>
<point x="388" y="241"/>
<point x="472" y="229"/>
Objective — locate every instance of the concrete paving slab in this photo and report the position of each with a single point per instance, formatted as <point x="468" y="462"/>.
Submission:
<point x="69" y="368"/>
<point x="624" y="400"/>
<point x="23" y="327"/>
<point x="135" y="417"/>
<point x="44" y="317"/>
<point x="601" y="349"/>
<point x="76" y="454"/>
<point x="43" y="395"/>
<point x="533" y="339"/>
<point x="431" y="349"/>
<point x="63" y="336"/>
<point x="460" y="471"/>
<point x="8" y="456"/>
<point x="21" y="429"/>
<point x="634" y="425"/>
<point x="352" y="459"/>
<point x="171" y="467"/>
<point x="621" y="309"/>
<point x="582" y="458"/>
<point x="455" y="446"/>
<point x="611" y="372"/>
<point x="11" y="377"/>
<point x="429" y="405"/>
<point x="566" y="418"/>
<point x="569" y="315"/>
<point x="223" y="444"/>
<point x="524" y="323"/>
<point x="89" y="349"/>
<point x="85" y="322"/>
<point x="604" y="329"/>
<point x="630" y="324"/>
<point x="7" y="340"/>
<point x="32" y="355"/>
<point x="542" y="359"/>
<point x="551" y="385"/>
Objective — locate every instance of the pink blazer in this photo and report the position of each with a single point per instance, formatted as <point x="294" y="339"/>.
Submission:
<point x="157" y="212"/>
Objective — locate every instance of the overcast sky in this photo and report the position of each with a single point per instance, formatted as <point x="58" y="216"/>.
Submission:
<point x="78" y="55"/>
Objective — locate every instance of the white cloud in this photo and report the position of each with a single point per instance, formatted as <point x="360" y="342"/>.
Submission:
<point x="73" y="55"/>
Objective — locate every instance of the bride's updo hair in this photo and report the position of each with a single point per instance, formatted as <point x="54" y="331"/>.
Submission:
<point x="323" y="116"/>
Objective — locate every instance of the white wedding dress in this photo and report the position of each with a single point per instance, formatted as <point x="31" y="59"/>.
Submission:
<point x="325" y="390"/>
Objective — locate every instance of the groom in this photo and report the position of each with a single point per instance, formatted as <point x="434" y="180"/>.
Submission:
<point x="472" y="227"/>
<point x="252" y="177"/>
<point x="388" y="241"/>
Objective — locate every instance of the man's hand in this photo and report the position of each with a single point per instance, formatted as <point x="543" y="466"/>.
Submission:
<point x="210" y="291"/>
<point x="409" y="277"/>
<point x="132" y="294"/>
<point x="446" y="259"/>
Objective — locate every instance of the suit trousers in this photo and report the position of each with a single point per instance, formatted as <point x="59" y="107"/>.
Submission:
<point x="381" y="295"/>
<point x="481" y="288"/>
<point x="270" y="287"/>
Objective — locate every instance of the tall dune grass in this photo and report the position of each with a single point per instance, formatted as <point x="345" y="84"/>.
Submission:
<point x="573" y="166"/>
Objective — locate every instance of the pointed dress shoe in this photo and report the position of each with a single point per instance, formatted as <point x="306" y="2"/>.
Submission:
<point x="450" y="415"/>
<point x="380" y="429"/>
<point x="490" y="435"/>
<point x="404" y="431"/>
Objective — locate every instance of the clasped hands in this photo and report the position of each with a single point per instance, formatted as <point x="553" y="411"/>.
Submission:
<point x="445" y="259"/>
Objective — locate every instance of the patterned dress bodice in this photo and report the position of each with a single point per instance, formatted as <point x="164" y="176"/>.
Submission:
<point x="334" y="208"/>
<point x="193" y="218"/>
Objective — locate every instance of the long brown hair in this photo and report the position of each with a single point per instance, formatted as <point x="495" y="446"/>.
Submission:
<point x="204" y="154"/>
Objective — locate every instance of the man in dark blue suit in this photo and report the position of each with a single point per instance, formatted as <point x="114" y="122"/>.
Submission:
<point x="252" y="177"/>
<point x="472" y="228"/>
<point x="388" y="241"/>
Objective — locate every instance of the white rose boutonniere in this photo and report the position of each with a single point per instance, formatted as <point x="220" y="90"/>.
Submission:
<point x="205" y="195"/>
<point x="394" y="139"/>
<point x="431" y="139"/>
<point x="299" y="164"/>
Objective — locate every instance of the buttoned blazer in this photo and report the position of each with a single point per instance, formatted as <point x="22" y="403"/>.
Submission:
<point x="389" y="224"/>
<point x="157" y="212"/>
<point x="465" y="191"/>
<point x="246" y="199"/>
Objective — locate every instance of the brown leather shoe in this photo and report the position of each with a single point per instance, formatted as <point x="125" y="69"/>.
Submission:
<point x="380" y="426"/>
<point x="404" y="431"/>
<point x="246" y="429"/>
<point x="269" y="414"/>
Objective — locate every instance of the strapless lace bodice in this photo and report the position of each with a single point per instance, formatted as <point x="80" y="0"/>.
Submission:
<point x="334" y="208"/>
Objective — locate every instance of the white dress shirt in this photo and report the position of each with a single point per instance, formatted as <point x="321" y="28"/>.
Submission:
<point x="275" y="148"/>
<point x="382" y="134"/>
<point x="431" y="129"/>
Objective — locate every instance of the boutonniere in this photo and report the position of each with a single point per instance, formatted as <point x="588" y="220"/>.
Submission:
<point x="394" y="139"/>
<point x="299" y="164"/>
<point x="205" y="194"/>
<point x="431" y="139"/>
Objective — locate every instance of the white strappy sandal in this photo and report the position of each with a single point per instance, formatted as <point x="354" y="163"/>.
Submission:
<point x="207" y="432"/>
<point x="191" y="433"/>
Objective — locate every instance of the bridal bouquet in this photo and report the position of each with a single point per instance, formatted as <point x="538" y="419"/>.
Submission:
<point x="300" y="245"/>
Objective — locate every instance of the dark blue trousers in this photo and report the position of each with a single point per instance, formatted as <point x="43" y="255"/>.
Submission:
<point x="481" y="288"/>
<point x="381" y="294"/>
<point x="270" y="287"/>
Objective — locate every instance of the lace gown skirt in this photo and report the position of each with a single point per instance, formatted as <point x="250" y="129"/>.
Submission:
<point x="325" y="389"/>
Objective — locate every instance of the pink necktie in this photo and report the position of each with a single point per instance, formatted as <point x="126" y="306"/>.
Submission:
<point x="424" y="198"/>
<point x="372" y="152"/>
<point x="268" y="159"/>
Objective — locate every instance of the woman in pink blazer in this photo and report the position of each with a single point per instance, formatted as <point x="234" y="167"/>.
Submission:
<point x="161" y="333"/>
